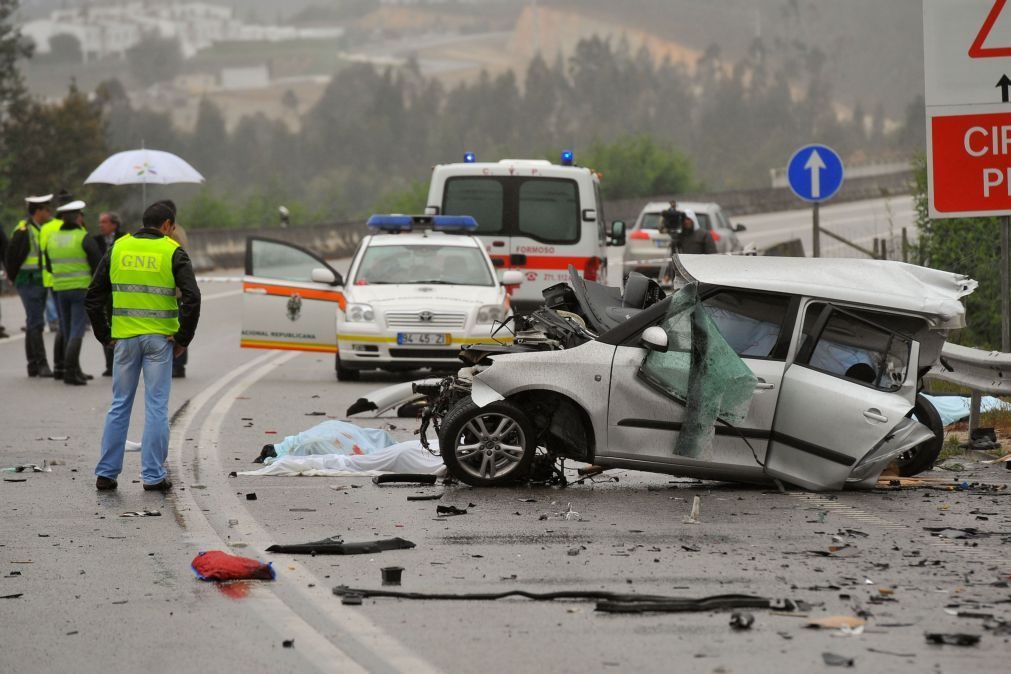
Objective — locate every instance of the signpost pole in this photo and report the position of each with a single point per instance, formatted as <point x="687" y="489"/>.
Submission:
<point x="815" y="232"/>
<point x="1005" y="290"/>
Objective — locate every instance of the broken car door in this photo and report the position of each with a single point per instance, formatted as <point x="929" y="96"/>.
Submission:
<point x="850" y="384"/>
<point x="290" y="298"/>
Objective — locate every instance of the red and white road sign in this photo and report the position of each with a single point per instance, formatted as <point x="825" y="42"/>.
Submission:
<point x="967" y="67"/>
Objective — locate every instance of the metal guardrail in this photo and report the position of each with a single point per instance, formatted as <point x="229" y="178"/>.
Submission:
<point x="975" y="369"/>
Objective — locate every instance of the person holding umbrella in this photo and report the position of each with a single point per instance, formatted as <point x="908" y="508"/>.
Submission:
<point x="24" y="266"/>
<point x="71" y="257"/>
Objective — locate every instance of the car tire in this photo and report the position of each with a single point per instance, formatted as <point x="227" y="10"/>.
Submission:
<point x="346" y="373"/>
<point x="472" y="439"/>
<point x="922" y="457"/>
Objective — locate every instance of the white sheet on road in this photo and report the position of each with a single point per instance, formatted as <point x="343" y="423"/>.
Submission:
<point x="403" y="457"/>
<point x="333" y="437"/>
<point x="956" y="408"/>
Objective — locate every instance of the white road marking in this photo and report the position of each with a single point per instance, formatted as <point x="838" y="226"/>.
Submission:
<point x="375" y="648"/>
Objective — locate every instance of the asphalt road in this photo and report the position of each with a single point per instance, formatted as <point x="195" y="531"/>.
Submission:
<point x="103" y="593"/>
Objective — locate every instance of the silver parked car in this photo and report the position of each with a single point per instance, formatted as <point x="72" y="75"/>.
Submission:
<point x="757" y="369"/>
<point x="645" y="243"/>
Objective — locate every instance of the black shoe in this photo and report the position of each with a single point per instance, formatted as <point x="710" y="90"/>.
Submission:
<point x="164" y="485"/>
<point x="179" y="373"/>
<point x="267" y="451"/>
<point x="44" y="370"/>
<point x="74" y="378"/>
<point x="3" y="333"/>
<point x="107" y="373"/>
<point x="86" y="377"/>
<point x="105" y="483"/>
<point x="59" y="374"/>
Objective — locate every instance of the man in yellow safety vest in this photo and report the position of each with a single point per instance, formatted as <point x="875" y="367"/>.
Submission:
<point x="24" y="267"/>
<point x="147" y="324"/>
<point x="71" y="256"/>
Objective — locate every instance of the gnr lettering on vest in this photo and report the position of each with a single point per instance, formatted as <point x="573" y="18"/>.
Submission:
<point x="141" y="262"/>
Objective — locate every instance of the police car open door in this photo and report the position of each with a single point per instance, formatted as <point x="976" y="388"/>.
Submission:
<point x="290" y="298"/>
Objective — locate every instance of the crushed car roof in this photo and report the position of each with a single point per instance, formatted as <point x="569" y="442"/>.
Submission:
<point x="883" y="283"/>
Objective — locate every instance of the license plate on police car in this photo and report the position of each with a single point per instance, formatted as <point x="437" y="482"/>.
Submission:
<point x="423" y="338"/>
<point x="660" y="243"/>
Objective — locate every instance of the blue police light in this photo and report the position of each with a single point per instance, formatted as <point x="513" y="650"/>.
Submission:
<point x="453" y="222"/>
<point x="469" y="157"/>
<point x="391" y="223"/>
<point x="567" y="158"/>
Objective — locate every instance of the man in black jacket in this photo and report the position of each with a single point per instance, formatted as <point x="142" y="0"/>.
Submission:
<point x="133" y="306"/>
<point x="110" y="228"/>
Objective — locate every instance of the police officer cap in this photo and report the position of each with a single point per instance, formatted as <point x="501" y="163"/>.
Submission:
<point x="72" y="206"/>
<point x="43" y="199"/>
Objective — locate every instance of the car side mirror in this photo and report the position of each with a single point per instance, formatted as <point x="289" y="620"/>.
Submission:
<point x="327" y="276"/>
<point x="655" y="339"/>
<point x="740" y="228"/>
<point x="512" y="278"/>
<point x="617" y="235"/>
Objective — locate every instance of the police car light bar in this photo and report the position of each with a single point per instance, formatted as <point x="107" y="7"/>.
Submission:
<point x="469" y="157"/>
<point x="568" y="158"/>
<point x="406" y="223"/>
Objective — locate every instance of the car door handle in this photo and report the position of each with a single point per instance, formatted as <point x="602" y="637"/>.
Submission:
<point x="875" y="415"/>
<point x="256" y="291"/>
<point x="763" y="385"/>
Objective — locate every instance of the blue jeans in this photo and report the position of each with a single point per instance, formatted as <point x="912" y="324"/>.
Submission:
<point x="73" y="319"/>
<point x="52" y="308"/>
<point x="33" y="298"/>
<point x="151" y="354"/>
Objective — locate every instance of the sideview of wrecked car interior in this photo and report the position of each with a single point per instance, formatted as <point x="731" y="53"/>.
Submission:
<point x="756" y="369"/>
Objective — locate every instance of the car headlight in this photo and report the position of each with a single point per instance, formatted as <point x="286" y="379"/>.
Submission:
<point x="490" y="313"/>
<point x="359" y="313"/>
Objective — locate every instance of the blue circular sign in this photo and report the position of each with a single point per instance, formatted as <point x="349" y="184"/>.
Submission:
<point x="815" y="173"/>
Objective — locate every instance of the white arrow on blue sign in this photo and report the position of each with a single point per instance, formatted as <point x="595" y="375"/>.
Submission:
<point x="815" y="173"/>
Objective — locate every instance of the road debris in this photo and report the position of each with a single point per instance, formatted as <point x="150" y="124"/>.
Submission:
<point x="12" y="596"/>
<point x="217" y="565"/>
<point x="142" y="513"/>
<point x="288" y="643"/>
<point x="952" y="639"/>
<point x="693" y="516"/>
<point x="836" y="622"/>
<point x="28" y="468"/>
<point x="251" y="496"/>
<point x="404" y="477"/>
<point x="451" y="510"/>
<point x="742" y="620"/>
<point x="834" y="660"/>
<point x="392" y="574"/>
<point x="335" y="545"/>
<point x="425" y="497"/>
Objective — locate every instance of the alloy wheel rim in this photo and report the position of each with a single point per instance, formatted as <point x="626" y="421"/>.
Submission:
<point x="490" y="446"/>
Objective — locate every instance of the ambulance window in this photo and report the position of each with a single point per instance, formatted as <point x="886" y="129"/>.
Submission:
<point x="549" y="210"/>
<point x="481" y="198"/>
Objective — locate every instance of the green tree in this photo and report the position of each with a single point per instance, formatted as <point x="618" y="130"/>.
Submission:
<point x="969" y="246"/>
<point x="637" y="166"/>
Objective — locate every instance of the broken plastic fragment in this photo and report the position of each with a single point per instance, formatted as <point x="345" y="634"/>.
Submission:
<point x="335" y="545"/>
<point x="742" y="620"/>
<point x="952" y="639"/>
<point x="142" y="513"/>
<point x="834" y="660"/>
<point x="693" y="517"/>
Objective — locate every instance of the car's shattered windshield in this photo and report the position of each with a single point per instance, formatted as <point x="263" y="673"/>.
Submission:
<point x="701" y="370"/>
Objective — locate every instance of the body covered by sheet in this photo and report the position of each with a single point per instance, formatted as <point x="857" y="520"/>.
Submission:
<point x="701" y="370"/>
<point x="403" y="457"/>
<point x="333" y="437"/>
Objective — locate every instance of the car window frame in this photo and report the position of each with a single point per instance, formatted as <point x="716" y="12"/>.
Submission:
<point x="481" y="252"/>
<point x="809" y="342"/>
<point x="781" y="349"/>
<point x="248" y="262"/>
<point x="517" y="185"/>
<point x="508" y="218"/>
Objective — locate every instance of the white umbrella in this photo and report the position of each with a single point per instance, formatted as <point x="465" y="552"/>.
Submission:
<point x="144" y="167"/>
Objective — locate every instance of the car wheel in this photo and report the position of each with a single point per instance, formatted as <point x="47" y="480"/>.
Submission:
<point x="487" y="446"/>
<point x="346" y="373"/>
<point x="922" y="457"/>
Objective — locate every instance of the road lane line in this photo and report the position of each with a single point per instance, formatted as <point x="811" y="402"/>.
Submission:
<point x="366" y="645"/>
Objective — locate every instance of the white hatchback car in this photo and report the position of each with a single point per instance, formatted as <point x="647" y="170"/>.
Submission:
<point x="418" y="288"/>
<point x="645" y="243"/>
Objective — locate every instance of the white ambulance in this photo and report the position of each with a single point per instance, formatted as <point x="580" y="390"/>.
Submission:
<point x="532" y="216"/>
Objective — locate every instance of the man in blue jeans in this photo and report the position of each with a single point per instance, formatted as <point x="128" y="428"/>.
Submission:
<point x="25" y="268"/>
<point x="133" y="307"/>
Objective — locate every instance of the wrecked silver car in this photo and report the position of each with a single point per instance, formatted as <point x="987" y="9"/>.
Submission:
<point x="804" y="371"/>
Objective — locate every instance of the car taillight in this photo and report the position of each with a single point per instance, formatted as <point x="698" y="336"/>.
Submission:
<point x="638" y="234"/>
<point x="716" y="237"/>
<point x="592" y="269"/>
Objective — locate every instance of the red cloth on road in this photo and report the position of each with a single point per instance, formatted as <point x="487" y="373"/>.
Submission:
<point x="218" y="565"/>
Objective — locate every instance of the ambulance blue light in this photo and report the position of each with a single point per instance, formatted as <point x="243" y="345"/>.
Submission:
<point x="567" y="158"/>
<point x="469" y="157"/>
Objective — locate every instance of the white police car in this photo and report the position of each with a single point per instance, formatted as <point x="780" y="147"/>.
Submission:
<point x="418" y="288"/>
